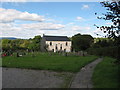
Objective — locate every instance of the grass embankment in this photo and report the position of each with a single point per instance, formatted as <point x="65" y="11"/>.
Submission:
<point x="106" y="74"/>
<point x="46" y="61"/>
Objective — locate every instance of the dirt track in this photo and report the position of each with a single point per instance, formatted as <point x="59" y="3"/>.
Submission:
<point x="24" y="78"/>
<point x="83" y="78"/>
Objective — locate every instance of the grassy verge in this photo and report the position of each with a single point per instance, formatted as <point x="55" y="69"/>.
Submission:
<point x="106" y="74"/>
<point x="45" y="61"/>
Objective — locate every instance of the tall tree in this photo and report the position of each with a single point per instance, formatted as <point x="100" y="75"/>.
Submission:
<point x="6" y="44"/>
<point x="81" y="42"/>
<point x="113" y="15"/>
<point x="34" y="44"/>
<point x="37" y="39"/>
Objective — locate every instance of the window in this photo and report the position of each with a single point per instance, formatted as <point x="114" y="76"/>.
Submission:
<point x="64" y="50"/>
<point x="56" y="47"/>
<point x="50" y="43"/>
<point x="61" y="47"/>
<point x="53" y="50"/>
<point x="66" y="43"/>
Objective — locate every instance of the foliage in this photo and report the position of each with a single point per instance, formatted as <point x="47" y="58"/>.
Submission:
<point x="113" y="15"/>
<point x="103" y="42"/>
<point x="81" y="42"/>
<point x="104" y="51"/>
<point x="21" y="44"/>
<point x="46" y="61"/>
<point x="106" y="47"/>
<point x="36" y="43"/>
<point x="6" y="44"/>
<point x="106" y="74"/>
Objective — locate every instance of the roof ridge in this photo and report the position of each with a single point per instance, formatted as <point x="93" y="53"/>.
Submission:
<point x="56" y="38"/>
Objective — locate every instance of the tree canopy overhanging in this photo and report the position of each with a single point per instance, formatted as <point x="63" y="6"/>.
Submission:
<point x="113" y="15"/>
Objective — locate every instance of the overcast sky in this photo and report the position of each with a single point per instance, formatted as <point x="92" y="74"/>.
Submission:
<point x="28" y="19"/>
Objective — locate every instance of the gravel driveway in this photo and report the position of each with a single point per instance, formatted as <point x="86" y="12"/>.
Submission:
<point x="25" y="78"/>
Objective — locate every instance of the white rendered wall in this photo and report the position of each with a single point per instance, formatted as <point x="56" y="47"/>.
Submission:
<point x="53" y="46"/>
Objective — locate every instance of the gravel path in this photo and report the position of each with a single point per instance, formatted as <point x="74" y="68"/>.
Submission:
<point x="83" y="78"/>
<point x="25" y="78"/>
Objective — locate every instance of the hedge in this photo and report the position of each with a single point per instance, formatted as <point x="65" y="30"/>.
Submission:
<point x="105" y="51"/>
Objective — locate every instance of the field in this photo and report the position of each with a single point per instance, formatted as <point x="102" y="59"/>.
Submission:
<point x="106" y="74"/>
<point x="46" y="61"/>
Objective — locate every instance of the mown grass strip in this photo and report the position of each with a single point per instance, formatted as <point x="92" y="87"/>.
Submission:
<point x="106" y="74"/>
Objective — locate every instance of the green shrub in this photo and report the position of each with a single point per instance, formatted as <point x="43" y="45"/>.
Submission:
<point x="104" y="51"/>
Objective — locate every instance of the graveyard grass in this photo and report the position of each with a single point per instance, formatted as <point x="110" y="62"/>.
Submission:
<point x="46" y="61"/>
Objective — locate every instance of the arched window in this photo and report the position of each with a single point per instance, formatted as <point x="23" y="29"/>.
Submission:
<point x="53" y="50"/>
<point x="56" y="47"/>
<point x="64" y="50"/>
<point x="50" y="43"/>
<point x="66" y="43"/>
<point x="61" y="47"/>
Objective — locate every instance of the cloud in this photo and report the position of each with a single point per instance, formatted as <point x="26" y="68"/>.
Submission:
<point x="79" y="18"/>
<point x="76" y="28"/>
<point x="28" y="30"/>
<point x="85" y="6"/>
<point x="43" y="26"/>
<point x="10" y="15"/>
<point x="109" y="23"/>
<point x="80" y="28"/>
<point x="70" y="24"/>
<point x="72" y="30"/>
<point x="99" y="33"/>
<point x="51" y="0"/>
<point x="13" y="0"/>
<point x="10" y="28"/>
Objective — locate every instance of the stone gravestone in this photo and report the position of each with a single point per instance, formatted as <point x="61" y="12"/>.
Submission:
<point x="81" y="53"/>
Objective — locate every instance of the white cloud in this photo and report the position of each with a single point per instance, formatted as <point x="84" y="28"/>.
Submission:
<point x="10" y="28"/>
<point x="33" y="29"/>
<point x="51" y="0"/>
<point x="85" y="6"/>
<point x="5" y="25"/>
<point x="109" y="23"/>
<point x="13" y="0"/>
<point x="76" y="28"/>
<point x="99" y="33"/>
<point x="72" y="30"/>
<point x="70" y="23"/>
<point x="10" y="15"/>
<point x="28" y="30"/>
<point x="80" y="28"/>
<point x="43" y="26"/>
<point x="79" y="18"/>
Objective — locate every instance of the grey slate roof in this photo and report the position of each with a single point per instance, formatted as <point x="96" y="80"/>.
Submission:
<point x="56" y="38"/>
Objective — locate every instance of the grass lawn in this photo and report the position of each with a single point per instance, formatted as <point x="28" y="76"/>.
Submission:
<point x="106" y="74"/>
<point x="44" y="61"/>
